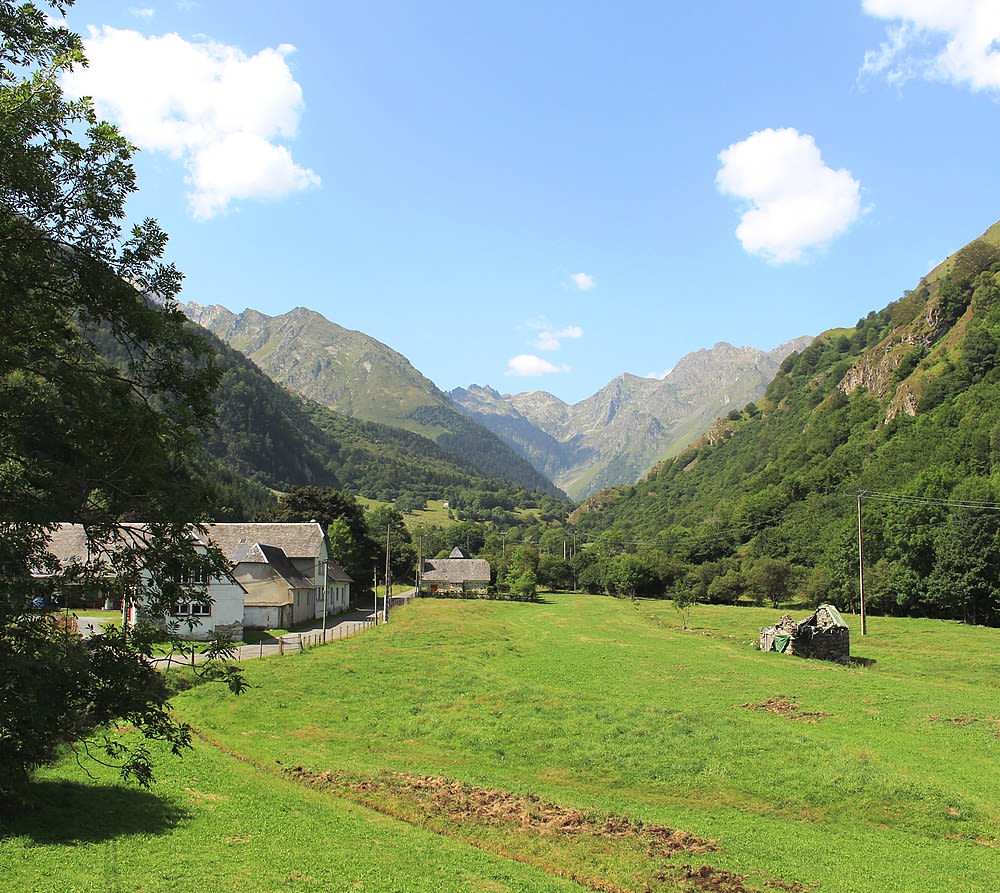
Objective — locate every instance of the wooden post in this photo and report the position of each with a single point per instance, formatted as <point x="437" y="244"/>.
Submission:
<point x="861" y="571"/>
<point x="385" y="603"/>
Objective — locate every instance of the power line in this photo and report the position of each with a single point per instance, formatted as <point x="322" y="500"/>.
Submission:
<point x="928" y="500"/>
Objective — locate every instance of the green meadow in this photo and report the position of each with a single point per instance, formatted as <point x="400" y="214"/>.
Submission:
<point x="581" y="743"/>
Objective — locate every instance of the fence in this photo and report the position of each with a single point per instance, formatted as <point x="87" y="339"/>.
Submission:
<point x="296" y="643"/>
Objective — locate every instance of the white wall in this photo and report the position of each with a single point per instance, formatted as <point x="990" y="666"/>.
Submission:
<point x="263" y="617"/>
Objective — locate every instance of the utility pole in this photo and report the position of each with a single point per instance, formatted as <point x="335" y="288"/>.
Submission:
<point x="861" y="571"/>
<point x="385" y="605"/>
<point x="375" y="590"/>
<point x="326" y="594"/>
<point x="503" y="541"/>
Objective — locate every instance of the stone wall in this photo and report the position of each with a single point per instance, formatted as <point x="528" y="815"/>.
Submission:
<point x="829" y="644"/>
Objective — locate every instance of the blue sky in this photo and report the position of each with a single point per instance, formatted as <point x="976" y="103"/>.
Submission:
<point x="436" y="174"/>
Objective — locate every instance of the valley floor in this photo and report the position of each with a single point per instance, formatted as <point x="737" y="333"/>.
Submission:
<point x="581" y="743"/>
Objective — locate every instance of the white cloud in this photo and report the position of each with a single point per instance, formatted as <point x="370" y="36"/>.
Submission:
<point x="552" y="340"/>
<point x="957" y="41"/>
<point x="796" y="201"/>
<point x="222" y="112"/>
<point x="583" y="281"/>
<point x="660" y="375"/>
<point x="144" y="12"/>
<point x="526" y="364"/>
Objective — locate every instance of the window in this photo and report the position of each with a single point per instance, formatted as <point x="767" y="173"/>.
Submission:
<point x="190" y="609"/>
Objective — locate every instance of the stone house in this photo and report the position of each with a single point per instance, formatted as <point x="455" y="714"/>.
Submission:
<point x="224" y="616"/>
<point x="286" y="570"/>
<point x="458" y="574"/>
<point x="281" y="575"/>
<point x="823" y="635"/>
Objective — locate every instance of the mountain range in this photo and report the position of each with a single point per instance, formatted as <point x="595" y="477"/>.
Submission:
<point x="535" y="440"/>
<point x="359" y="377"/>
<point x="619" y="433"/>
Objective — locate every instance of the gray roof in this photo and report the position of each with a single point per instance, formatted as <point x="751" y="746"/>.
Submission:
<point x="456" y="570"/>
<point x="459" y="552"/>
<point x="261" y="553"/>
<point x="296" y="540"/>
<point x="69" y="544"/>
<point x="336" y="573"/>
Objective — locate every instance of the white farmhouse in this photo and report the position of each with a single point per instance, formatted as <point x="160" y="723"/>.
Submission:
<point x="281" y="575"/>
<point x="223" y="617"/>
<point x="286" y="571"/>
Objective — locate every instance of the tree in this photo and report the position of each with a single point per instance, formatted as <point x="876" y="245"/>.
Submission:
<point x="525" y="586"/>
<point x="631" y="575"/>
<point x="351" y="544"/>
<point x="726" y="588"/>
<point x="103" y="390"/>
<point x="554" y="572"/>
<point x="769" y="579"/>
<point x="402" y="555"/>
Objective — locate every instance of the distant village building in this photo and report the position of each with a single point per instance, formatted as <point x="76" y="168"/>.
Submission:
<point x="458" y="574"/>
<point x="823" y="634"/>
<point x="281" y="575"/>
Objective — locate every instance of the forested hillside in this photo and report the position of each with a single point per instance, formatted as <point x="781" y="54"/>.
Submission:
<point x="357" y="376"/>
<point x="267" y="438"/>
<point x="903" y="407"/>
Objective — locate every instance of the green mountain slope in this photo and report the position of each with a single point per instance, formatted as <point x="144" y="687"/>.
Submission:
<point x="357" y="376"/>
<point x="278" y="439"/>
<point x="267" y="438"/>
<point x="906" y="402"/>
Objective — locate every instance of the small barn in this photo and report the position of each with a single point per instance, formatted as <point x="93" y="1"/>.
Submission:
<point x="458" y="575"/>
<point x="823" y="635"/>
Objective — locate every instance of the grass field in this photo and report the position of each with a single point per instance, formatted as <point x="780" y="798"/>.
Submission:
<point x="781" y="773"/>
<point x="434" y="513"/>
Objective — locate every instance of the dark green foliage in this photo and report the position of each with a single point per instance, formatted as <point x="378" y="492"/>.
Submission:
<point x="351" y="544"/>
<point x="770" y="512"/>
<point x="386" y="520"/>
<point x="83" y="437"/>
<point x="475" y="444"/>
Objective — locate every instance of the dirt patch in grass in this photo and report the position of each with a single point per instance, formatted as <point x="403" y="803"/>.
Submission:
<point x="961" y="721"/>
<point x="462" y="803"/>
<point x="967" y="719"/>
<point x="782" y="705"/>
<point x="205" y="797"/>
<point x="705" y="877"/>
<point x="622" y="855"/>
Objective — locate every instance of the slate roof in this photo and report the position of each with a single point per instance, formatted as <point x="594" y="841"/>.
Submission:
<point x="336" y="573"/>
<point x="456" y="570"/>
<point x="261" y="553"/>
<point x="69" y="544"/>
<point x="296" y="540"/>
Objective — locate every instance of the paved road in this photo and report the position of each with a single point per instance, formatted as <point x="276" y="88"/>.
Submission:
<point x="340" y="626"/>
<point x="90" y="625"/>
